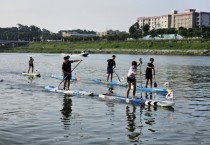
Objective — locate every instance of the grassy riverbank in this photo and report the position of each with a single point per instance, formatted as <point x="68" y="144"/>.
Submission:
<point x="166" y="47"/>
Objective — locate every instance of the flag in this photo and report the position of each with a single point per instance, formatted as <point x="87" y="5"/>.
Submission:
<point x="170" y="95"/>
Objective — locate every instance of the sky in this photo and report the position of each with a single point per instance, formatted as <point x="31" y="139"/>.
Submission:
<point x="96" y="15"/>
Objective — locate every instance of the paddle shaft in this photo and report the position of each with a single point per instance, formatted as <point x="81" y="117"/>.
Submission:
<point x="155" y="84"/>
<point x="68" y="74"/>
<point x="117" y="75"/>
<point x="140" y="62"/>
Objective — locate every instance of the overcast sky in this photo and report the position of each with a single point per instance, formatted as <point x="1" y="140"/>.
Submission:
<point x="97" y="15"/>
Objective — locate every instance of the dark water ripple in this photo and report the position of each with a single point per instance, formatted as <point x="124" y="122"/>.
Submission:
<point x="31" y="115"/>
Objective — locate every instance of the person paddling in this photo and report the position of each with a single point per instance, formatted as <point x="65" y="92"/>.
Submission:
<point x="66" y="68"/>
<point x="110" y="67"/>
<point x="131" y="78"/>
<point x="31" y="64"/>
<point x="150" y="67"/>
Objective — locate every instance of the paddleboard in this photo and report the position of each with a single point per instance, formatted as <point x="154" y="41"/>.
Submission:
<point x="110" y="83"/>
<point x="138" y="101"/>
<point x="138" y="88"/>
<point x="71" y="92"/>
<point x="153" y="90"/>
<point x="31" y="74"/>
<point x="60" y="77"/>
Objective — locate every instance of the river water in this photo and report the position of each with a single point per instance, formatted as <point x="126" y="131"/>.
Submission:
<point x="31" y="115"/>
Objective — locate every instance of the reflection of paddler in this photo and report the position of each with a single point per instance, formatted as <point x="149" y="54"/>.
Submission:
<point x="131" y="126"/>
<point x="66" y="111"/>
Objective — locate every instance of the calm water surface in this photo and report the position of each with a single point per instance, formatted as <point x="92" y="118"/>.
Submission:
<point x="30" y="115"/>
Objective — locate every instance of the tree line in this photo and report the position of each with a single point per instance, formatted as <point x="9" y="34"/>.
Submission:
<point x="27" y="33"/>
<point x="34" y="33"/>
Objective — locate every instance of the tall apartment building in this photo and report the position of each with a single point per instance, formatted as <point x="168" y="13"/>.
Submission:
<point x="156" y="22"/>
<point x="188" y="19"/>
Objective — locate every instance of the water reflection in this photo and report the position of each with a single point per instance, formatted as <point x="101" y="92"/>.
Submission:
<point x="148" y="95"/>
<point x="131" y="125"/>
<point x="66" y="111"/>
<point x="31" y="78"/>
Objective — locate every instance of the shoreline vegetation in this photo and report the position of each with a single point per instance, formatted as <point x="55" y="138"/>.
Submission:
<point x="196" y="47"/>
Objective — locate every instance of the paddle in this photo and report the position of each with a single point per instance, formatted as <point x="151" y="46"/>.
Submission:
<point x="69" y="73"/>
<point x="140" y="62"/>
<point x="117" y="75"/>
<point x="155" y="84"/>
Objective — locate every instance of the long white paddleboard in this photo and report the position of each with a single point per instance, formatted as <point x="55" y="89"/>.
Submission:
<point x="138" y="101"/>
<point x="71" y="92"/>
<point x="60" y="77"/>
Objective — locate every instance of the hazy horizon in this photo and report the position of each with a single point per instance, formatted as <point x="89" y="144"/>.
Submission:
<point x="96" y="15"/>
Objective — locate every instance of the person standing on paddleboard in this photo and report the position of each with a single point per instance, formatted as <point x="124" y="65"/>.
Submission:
<point x="150" y="67"/>
<point x="110" y="67"/>
<point x="66" y="68"/>
<point x="31" y="64"/>
<point x="131" y="78"/>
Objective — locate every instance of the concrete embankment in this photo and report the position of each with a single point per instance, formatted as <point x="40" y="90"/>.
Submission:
<point x="199" y="52"/>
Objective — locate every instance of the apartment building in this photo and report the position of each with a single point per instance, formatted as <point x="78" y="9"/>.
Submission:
<point x="188" y="19"/>
<point x="156" y="22"/>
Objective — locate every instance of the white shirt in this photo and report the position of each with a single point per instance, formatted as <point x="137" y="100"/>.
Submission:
<point x="131" y="71"/>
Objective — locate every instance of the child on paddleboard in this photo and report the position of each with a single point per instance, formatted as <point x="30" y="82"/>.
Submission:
<point x="31" y="64"/>
<point x="150" y="67"/>
<point x="66" y="68"/>
<point x="131" y="78"/>
<point x="110" y="67"/>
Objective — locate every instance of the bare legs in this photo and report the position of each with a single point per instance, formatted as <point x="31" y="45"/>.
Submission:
<point x="148" y="82"/>
<point x="66" y="82"/>
<point x="108" y="76"/>
<point x="30" y="68"/>
<point x="134" y="89"/>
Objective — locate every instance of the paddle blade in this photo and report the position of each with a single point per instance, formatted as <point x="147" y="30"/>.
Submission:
<point x="155" y="84"/>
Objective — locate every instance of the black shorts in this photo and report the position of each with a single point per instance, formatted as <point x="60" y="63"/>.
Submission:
<point x="148" y="76"/>
<point x="131" y="80"/>
<point x="67" y="77"/>
<point x="31" y="65"/>
<point x="109" y="70"/>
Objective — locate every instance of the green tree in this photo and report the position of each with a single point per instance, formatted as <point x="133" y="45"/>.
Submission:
<point x="146" y="28"/>
<point x="135" y="31"/>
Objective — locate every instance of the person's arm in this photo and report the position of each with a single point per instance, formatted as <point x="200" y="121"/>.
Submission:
<point x="134" y="72"/>
<point x="114" y="66"/>
<point x="76" y="60"/>
<point x="149" y="65"/>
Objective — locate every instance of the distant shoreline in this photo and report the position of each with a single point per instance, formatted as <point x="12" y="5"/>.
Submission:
<point x="167" y="47"/>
